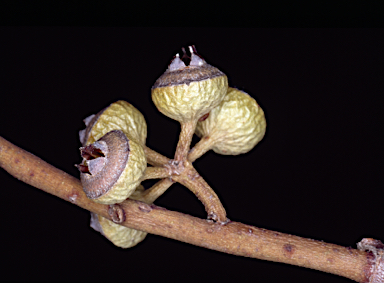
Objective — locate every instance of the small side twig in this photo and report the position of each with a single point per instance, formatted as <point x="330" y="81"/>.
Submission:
<point x="184" y="173"/>
<point x="186" y="134"/>
<point x="195" y="183"/>
<point x="151" y="194"/>
<point x="154" y="158"/>
<point x="200" y="148"/>
<point x="156" y="173"/>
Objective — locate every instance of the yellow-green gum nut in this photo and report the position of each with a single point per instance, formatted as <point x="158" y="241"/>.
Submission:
<point x="120" y="115"/>
<point x="112" y="168"/>
<point x="236" y="125"/>
<point x="120" y="236"/>
<point x="186" y="93"/>
<point x="137" y="193"/>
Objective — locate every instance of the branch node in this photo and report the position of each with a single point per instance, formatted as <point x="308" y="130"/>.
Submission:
<point x="376" y="247"/>
<point x="175" y="167"/>
<point x="116" y="213"/>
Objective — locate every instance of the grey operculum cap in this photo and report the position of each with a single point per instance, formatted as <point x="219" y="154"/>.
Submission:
<point x="103" y="163"/>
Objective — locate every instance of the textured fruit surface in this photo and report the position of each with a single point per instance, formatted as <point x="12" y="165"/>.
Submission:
<point x="120" y="115"/>
<point x="123" y="116"/>
<point x="183" y="102"/>
<point x="236" y="125"/>
<point x="136" y="194"/>
<point x="129" y="180"/>
<point x="120" y="236"/>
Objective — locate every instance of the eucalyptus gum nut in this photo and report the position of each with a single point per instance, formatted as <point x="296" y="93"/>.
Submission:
<point x="120" y="236"/>
<point x="235" y="126"/>
<point x="120" y="115"/>
<point x="112" y="168"/>
<point x="190" y="102"/>
<point x="129" y="179"/>
<point x="186" y="93"/>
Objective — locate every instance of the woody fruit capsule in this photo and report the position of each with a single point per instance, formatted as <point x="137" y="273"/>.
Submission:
<point x="114" y="164"/>
<point x="234" y="127"/>
<point x="186" y="93"/>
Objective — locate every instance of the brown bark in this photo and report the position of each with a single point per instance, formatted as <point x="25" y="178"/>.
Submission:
<point x="200" y="148"/>
<point x="184" y="173"/>
<point x="195" y="183"/>
<point x="156" y="173"/>
<point x="151" y="194"/>
<point x="155" y="158"/>
<point x="233" y="238"/>
<point x="185" y="138"/>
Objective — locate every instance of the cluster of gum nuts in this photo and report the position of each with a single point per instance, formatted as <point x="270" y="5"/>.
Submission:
<point x="115" y="157"/>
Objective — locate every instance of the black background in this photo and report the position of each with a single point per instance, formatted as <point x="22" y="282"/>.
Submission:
<point x="317" y="173"/>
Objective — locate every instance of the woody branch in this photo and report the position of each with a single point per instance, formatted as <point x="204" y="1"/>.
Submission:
<point x="233" y="237"/>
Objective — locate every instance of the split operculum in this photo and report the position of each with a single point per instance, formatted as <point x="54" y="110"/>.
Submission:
<point x="94" y="157"/>
<point x="192" y="61"/>
<point x="103" y="163"/>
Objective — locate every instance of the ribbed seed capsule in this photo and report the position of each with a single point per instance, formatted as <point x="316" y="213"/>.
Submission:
<point x="235" y="126"/>
<point x="123" y="116"/>
<point x="120" y="236"/>
<point x="186" y="93"/>
<point x="111" y="168"/>
<point x="120" y="115"/>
